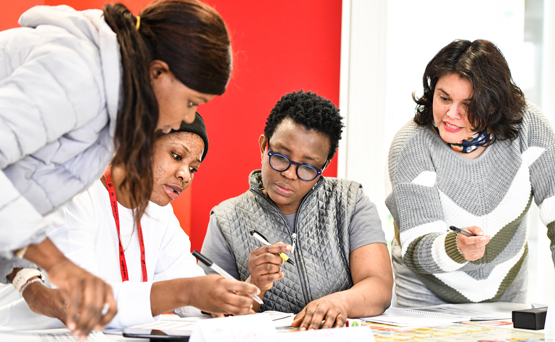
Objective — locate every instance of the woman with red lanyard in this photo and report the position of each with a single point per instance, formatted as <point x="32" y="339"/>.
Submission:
<point x="75" y="87"/>
<point x="149" y="266"/>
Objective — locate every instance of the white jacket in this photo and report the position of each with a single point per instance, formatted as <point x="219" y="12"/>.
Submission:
<point x="60" y="84"/>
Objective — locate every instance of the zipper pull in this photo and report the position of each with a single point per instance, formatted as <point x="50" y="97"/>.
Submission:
<point x="294" y="237"/>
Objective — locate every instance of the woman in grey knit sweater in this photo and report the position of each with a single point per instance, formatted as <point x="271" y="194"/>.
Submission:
<point x="474" y="157"/>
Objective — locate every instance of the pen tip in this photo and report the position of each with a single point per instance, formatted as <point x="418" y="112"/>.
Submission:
<point x="291" y="262"/>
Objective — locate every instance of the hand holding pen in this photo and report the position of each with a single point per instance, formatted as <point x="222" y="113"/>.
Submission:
<point x="265" y="263"/>
<point x="258" y="236"/>
<point x="239" y="287"/>
<point x="471" y="241"/>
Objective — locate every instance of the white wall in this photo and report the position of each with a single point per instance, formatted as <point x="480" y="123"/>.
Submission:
<point x="385" y="48"/>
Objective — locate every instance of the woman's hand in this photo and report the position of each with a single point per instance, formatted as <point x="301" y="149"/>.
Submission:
<point x="265" y="265"/>
<point x="473" y="247"/>
<point x="46" y="301"/>
<point x="217" y="295"/>
<point x="330" y="309"/>
<point x="86" y="295"/>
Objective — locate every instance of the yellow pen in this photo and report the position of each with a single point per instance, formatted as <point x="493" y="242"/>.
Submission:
<point x="262" y="239"/>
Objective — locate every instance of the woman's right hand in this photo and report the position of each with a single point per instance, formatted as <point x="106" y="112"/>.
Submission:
<point x="218" y="295"/>
<point x="265" y="265"/>
<point x="86" y="295"/>
<point x="473" y="247"/>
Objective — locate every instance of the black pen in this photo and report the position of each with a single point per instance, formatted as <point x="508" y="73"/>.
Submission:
<point x="461" y="231"/>
<point x="220" y="271"/>
<point x="262" y="239"/>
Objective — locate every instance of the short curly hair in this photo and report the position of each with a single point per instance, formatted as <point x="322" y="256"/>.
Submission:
<point x="496" y="101"/>
<point x="310" y="110"/>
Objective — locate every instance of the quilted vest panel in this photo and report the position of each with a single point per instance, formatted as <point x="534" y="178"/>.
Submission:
<point x="322" y="251"/>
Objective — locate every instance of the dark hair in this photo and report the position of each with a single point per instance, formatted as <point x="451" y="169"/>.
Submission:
<point x="311" y="111"/>
<point x="193" y="40"/>
<point x="496" y="101"/>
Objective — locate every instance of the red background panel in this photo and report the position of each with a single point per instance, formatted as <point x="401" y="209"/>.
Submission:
<point x="278" y="47"/>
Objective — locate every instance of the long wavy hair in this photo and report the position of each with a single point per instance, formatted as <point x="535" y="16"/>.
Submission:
<point x="496" y="102"/>
<point x="192" y="38"/>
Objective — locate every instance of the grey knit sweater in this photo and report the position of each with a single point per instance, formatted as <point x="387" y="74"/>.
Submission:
<point x="431" y="187"/>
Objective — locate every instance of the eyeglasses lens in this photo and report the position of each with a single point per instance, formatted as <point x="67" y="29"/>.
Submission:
<point x="306" y="173"/>
<point x="278" y="162"/>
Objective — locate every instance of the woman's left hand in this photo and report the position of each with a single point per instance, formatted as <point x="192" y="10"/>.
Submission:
<point x="330" y="309"/>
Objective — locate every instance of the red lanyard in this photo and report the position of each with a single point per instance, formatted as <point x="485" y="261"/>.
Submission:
<point x="114" y="203"/>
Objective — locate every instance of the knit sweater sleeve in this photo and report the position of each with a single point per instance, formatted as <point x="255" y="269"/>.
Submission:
<point x="414" y="202"/>
<point x="538" y="150"/>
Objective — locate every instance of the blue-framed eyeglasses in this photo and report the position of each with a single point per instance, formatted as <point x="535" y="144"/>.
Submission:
<point x="280" y="162"/>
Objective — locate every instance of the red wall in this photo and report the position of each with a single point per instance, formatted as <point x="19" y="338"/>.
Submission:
<point x="279" y="47"/>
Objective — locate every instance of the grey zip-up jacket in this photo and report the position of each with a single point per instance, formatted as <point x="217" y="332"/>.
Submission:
<point x="322" y="244"/>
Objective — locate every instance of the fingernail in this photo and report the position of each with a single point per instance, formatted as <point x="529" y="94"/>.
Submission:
<point x="483" y="239"/>
<point x="71" y="326"/>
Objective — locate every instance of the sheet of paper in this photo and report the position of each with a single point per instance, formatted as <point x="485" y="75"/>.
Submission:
<point x="280" y="319"/>
<point x="50" y="335"/>
<point x="247" y="328"/>
<point x="550" y="321"/>
<point x="415" y="318"/>
<point x="356" y="334"/>
<point x="478" y="311"/>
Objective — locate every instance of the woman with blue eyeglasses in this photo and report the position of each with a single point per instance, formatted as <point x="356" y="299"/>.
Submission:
<point x="327" y="228"/>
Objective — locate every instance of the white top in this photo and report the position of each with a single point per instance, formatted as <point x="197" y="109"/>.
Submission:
<point x="86" y="233"/>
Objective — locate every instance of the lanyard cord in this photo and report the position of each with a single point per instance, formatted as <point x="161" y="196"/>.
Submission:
<point x="114" y="203"/>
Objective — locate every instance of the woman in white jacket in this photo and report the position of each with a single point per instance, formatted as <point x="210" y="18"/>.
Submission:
<point x="75" y="87"/>
<point x="86" y="231"/>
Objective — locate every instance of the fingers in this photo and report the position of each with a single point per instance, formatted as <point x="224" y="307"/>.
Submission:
<point x="475" y="230"/>
<point x="112" y="308"/>
<point x="235" y="304"/>
<point x="321" y="313"/>
<point x="92" y="303"/>
<point x="239" y="286"/>
<point x="473" y="247"/>
<point x="273" y="249"/>
<point x="269" y="272"/>
<point x="234" y="297"/>
<point x="265" y="265"/>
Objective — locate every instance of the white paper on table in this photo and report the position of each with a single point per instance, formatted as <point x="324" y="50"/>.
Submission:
<point x="172" y="322"/>
<point x="280" y="319"/>
<point x="476" y="311"/>
<point x="549" y="328"/>
<point x="356" y="334"/>
<point x="414" y="318"/>
<point x="248" y="328"/>
<point x="50" y="335"/>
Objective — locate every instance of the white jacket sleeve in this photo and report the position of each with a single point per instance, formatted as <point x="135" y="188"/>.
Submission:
<point x="20" y="223"/>
<point x="50" y="84"/>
